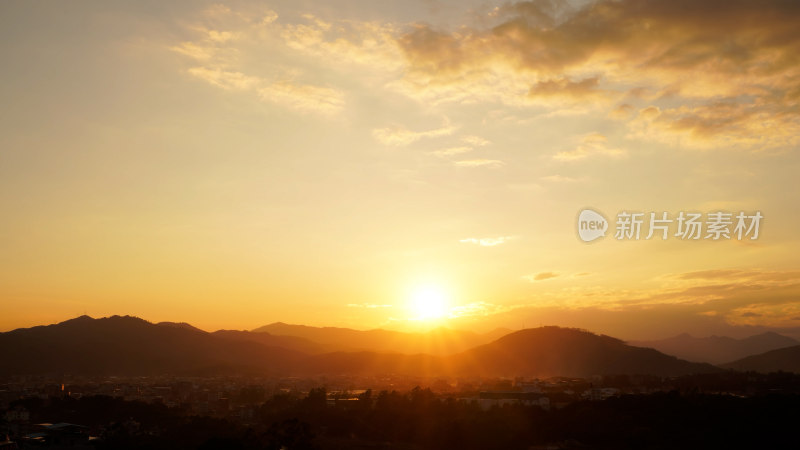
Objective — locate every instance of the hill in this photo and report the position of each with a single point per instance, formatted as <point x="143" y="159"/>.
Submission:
<point x="554" y="351"/>
<point x="784" y="359"/>
<point x="132" y="346"/>
<point x="718" y="349"/>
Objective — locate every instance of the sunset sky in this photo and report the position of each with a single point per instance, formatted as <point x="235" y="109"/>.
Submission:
<point x="337" y="163"/>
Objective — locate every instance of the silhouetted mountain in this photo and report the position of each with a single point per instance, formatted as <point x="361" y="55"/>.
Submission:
<point x="183" y="325"/>
<point x="439" y="341"/>
<point x="542" y="352"/>
<point x="289" y="342"/>
<point x="717" y="349"/>
<point x="552" y="351"/>
<point x="132" y="346"/>
<point x="784" y="359"/>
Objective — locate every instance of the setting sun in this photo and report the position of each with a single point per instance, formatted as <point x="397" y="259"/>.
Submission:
<point x="429" y="303"/>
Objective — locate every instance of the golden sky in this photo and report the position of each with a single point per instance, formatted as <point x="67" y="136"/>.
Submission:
<point x="340" y="162"/>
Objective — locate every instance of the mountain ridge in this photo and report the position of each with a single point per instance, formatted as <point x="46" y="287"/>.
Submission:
<point x="718" y="349"/>
<point x="438" y="341"/>
<point x="785" y="359"/>
<point x="129" y="345"/>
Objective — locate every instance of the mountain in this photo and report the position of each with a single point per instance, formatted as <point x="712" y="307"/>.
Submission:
<point x="132" y="346"/>
<point x="539" y="352"/>
<point x="289" y="342"/>
<point x="553" y="351"/>
<point x="439" y="341"/>
<point x="183" y="325"/>
<point x="718" y="349"/>
<point x="784" y="359"/>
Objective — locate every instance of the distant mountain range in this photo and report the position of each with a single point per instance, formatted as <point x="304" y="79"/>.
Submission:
<point x="132" y="346"/>
<point x="439" y="341"/>
<point x="717" y="349"/>
<point x="784" y="359"/>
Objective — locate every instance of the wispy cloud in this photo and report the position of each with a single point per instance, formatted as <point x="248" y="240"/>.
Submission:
<point x="487" y="242"/>
<point x="541" y="276"/>
<point x="475" y="141"/>
<point x="450" y="151"/>
<point x="401" y="136"/>
<point x="790" y="276"/>
<point x="369" y="44"/>
<point x="303" y="97"/>
<point x="488" y="163"/>
<point x="594" y="144"/>
<point x="479" y="309"/>
<point x="564" y="90"/>
<point x="225" y="79"/>
<point x="218" y="52"/>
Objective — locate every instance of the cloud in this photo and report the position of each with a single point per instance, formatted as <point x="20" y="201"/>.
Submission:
<point x="488" y="163"/>
<point x="700" y="75"/>
<point x="218" y="50"/>
<point x="487" y="242"/>
<point x="401" y="136"/>
<point x="194" y="51"/>
<point x="711" y="274"/>
<point x="303" y="97"/>
<point x="594" y="144"/>
<point x="722" y="74"/>
<point x="778" y="277"/>
<point x="268" y="17"/>
<point x="559" y="179"/>
<point x="475" y="141"/>
<point x="225" y="79"/>
<point x="776" y="314"/>
<point x="566" y="90"/>
<point x="622" y="112"/>
<point x="450" y="151"/>
<point x="541" y="276"/>
<point x="721" y="123"/>
<point x="346" y="42"/>
<point x="479" y="309"/>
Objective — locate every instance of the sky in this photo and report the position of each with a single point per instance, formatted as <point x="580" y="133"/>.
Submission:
<point x="399" y="164"/>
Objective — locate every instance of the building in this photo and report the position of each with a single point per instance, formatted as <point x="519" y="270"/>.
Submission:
<point x="488" y="399"/>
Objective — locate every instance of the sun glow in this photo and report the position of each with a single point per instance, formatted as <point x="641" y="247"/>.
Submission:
<point x="429" y="303"/>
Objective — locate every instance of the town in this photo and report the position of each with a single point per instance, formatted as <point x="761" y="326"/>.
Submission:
<point x="102" y="412"/>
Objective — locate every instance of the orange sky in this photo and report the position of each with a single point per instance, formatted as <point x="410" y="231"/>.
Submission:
<point x="325" y="162"/>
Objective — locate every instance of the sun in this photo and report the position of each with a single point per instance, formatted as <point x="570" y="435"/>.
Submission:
<point x="429" y="303"/>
